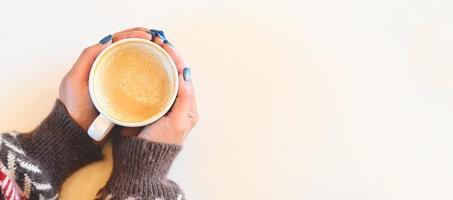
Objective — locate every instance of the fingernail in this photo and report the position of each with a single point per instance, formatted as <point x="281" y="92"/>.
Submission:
<point x="161" y="35"/>
<point x="153" y="32"/>
<point x="106" y="39"/>
<point x="168" y="43"/>
<point x="158" y="33"/>
<point x="187" y="74"/>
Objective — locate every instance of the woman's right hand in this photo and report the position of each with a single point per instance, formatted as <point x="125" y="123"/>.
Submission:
<point x="173" y="127"/>
<point x="143" y="158"/>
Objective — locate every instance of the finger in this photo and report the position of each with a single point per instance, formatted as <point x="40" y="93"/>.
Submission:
<point x="159" y="40"/>
<point x="168" y="47"/>
<point x="185" y="105"/>
<point x="83" y="64"/>
<point x="143" y="29"/>
<point x="132" y="34"/>
<point x="135" y="29"/>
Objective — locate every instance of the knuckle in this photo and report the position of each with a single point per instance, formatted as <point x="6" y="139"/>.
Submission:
<point x="87" y="50"/>
<point x="195" y="118"/>
<point x="71" y="79"/>
<point x="68" y="78"/>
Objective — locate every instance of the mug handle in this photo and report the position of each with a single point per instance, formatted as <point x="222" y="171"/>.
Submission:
<point x="100" y="127"/>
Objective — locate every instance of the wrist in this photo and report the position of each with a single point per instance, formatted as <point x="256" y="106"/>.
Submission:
<point x="140" y="168"/>
<point x="83" y="121"/>
<point x="83" y="115"/>
<point x="157" y="134"/>
<point x="142" y="159"/>
<point x="59" y="144"/>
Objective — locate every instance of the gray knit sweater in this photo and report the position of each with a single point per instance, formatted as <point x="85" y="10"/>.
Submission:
<point x="34" y="165"/>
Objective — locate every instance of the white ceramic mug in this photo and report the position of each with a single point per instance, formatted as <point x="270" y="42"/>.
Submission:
<point x="105" y="121"/>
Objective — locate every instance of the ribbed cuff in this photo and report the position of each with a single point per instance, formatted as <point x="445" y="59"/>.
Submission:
<point x="60" y="145"/>
<point x="140" y="169"/>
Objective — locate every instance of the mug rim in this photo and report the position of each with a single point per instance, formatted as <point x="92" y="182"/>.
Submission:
<point x="152" y="119"/>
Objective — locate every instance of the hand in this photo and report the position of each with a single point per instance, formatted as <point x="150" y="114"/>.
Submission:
<point x="173" y="127"/>
<point x="74" y="93"/>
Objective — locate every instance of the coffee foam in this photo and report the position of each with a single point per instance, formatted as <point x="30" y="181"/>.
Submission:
<point x="134" y="83"/>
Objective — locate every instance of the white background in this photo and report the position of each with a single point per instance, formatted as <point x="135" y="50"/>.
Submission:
<point x="306" y="99"/>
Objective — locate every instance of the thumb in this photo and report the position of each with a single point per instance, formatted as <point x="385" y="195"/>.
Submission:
<point x="83" y="64"/>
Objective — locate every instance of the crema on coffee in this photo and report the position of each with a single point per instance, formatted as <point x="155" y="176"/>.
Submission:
<point x="133" y="84"/>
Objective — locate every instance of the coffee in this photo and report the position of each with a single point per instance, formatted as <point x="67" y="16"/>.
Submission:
<point x="133" y="82"/>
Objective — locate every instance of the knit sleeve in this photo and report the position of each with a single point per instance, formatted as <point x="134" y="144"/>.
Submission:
<point x="140" y="171"/>
<point x="36" y="163"/>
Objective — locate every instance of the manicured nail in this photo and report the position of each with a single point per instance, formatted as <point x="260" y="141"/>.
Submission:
<point x="187" y="74"/>
<point x="158" y="33"/>
<point x="161" y="35"/>
<point x="106" y="39"/>
<point x="168" y="43"/>
<point x="153" y="32"/>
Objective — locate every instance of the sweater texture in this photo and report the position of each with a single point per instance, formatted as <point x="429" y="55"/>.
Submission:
<point x="34" y="165"/>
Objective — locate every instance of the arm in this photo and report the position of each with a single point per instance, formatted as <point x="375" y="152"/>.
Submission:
<point x="140" y="170"/>
<point x="34" y="165"/>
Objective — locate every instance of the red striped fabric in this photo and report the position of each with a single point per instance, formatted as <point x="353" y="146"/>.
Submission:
<point x="9" y="189"/>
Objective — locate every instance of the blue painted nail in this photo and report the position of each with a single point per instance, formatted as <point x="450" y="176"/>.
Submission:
<point x="106" y="39"/>
<point x="158" y="33"/>
<point x="162" y="35"/>
<point x="168" y="43"/>
<point x="153" y="32"/>
<point x="187" y="74"/>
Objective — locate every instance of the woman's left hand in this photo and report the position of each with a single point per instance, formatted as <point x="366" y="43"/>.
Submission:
<point x="74" y="93"/>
